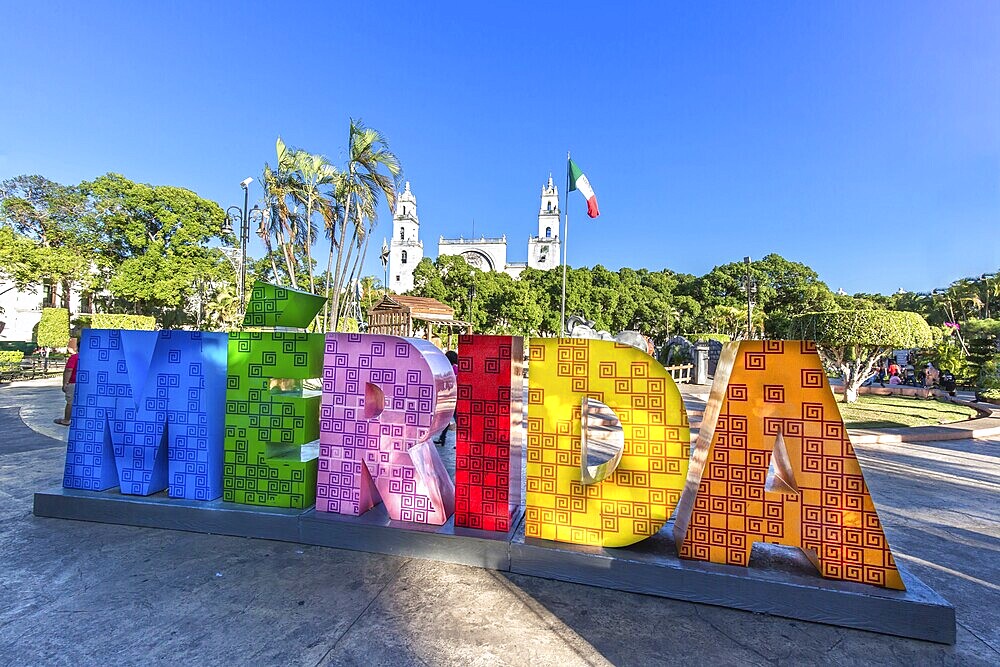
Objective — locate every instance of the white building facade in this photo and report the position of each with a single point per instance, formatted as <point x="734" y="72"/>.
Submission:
<point x="21" y="310"/>
<point x="406" y="249"/>
<point x="484" y="253"/>
<point x="543" y="249"/>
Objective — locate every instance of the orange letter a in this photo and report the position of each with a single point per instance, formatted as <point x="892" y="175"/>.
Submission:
<point x="774" y="463"/>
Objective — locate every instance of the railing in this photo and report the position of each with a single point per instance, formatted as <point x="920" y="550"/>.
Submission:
<point x="464" y="241"/>
<point x="682" y="373"/>
<point x="30" y="368"/>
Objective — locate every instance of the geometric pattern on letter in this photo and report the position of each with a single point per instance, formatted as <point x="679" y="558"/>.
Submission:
<point x="636" y="500"/>
<point x="383" y="396"/>
<point x="273" y="306"/>
<point x="146" y="413"/>
<point x="832" y="517"/>
<point x="268" y="422"/>
<point x="489" y="434"/>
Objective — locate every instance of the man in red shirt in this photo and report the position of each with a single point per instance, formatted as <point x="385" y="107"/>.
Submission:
<point x="69" y="382"/>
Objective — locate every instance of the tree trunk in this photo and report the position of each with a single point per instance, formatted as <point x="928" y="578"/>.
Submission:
<point x="270" y="255"/>
<point x="338" y="287"/>
<point x="284" y="251"/>
<point x="355" y="269"/>
<point x="340" y="256"/>
<point x="309" y="264"/>
<point x="855" y="364"/>
<point x="329" y="267"/>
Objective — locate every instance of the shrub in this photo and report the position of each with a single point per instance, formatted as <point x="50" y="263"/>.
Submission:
<point x="122" y="321"/>
<point x="695" y="338"/>
<point x="53" y="328"/>
<point x="989" y="374"/>
<point x="11" y="357"/>
<point x="22" y="346"/>
<point x="989" y="394"/>
<point x="678" y="356"/>
<point x="349" y="325"/>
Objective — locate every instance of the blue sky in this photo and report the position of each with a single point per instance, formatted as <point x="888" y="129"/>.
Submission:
<point x="862" y="140"/>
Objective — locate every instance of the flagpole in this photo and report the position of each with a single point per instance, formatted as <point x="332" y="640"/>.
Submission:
<point x="562" y="312"/>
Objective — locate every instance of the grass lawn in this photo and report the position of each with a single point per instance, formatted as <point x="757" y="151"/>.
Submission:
<point x="872" y="411"/>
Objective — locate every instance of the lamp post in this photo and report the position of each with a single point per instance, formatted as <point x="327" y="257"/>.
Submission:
<point x="234" y="216"/>
<point x="472" y="298"/>
<point x="746" y="260"/>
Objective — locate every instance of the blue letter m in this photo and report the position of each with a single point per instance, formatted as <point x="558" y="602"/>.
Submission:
<point x="148" y="413"/>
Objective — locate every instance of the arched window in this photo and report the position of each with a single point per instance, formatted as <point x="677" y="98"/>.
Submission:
<point x="403" y="258"/>
<point x="402" y="234"/>
<point x="548" y="207"/>
<point x="548" y="232"/>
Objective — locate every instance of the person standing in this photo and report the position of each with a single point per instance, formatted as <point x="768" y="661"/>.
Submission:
<point x="69" y="383"/>
<point x="931" y="375"/>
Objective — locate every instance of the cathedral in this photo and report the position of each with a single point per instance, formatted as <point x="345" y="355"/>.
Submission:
<point x="487" y="254"/>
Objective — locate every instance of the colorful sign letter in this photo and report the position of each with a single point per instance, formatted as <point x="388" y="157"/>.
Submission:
<point x="488" y="440"/>
<point x="145" y="413"/>
<point x="383" y="398"/>
<point x="269" y="416"/>
<point x="635" y="499"/>
<point x="774" y="463"/>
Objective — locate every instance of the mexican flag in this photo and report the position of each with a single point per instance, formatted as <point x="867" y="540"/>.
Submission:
<point x="578" y="181"/>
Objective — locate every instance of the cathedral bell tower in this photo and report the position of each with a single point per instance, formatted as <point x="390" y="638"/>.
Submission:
<point x="543" y="250"/>
<point x="406" y="249"/>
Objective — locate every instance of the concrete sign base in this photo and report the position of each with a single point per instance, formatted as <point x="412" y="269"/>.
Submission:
<point x="778" y="581"/>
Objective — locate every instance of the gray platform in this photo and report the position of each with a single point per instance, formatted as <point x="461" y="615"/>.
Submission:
<point x="778" y="581"/>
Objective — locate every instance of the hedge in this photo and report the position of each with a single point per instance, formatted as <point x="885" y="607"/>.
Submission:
<point x="122" y="321"/>
<point x="11" y="357"/>
<point x="696" y="338"/>
<point x="22" y="346"/>
<point x="53" y="329"/>
<point x="873" y="328"/>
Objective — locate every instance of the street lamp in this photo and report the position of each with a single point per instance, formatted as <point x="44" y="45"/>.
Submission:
<point x="751" y="288"/>
<point x="472" y="298"/>
<point x="236" y="216"/>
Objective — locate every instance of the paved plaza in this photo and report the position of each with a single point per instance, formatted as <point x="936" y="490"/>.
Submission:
<point x="80" y="593"/>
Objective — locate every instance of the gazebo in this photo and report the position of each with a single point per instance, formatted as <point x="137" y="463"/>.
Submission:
<point x="397" y="315"/>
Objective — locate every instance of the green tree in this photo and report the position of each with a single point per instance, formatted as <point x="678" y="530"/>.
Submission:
<point x="154" y="242"/>
<point x="314" y="177"/>
<point x="222" y="310"/>
<point x="372" y="173"/>
<point x="279" y="187"/>
<point x="43" y="233"/>
<point x="852" y="341"/>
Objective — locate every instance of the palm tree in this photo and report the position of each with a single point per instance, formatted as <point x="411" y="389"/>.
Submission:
<point x="332" y="213"/>
<point x="264" y="231"/>
<point x="312" y="173"/>
<point x="364" y="183"/>
<point x="279" y="186"/>
<point x="223" y="309"/>
<point x="364" y="210"/>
